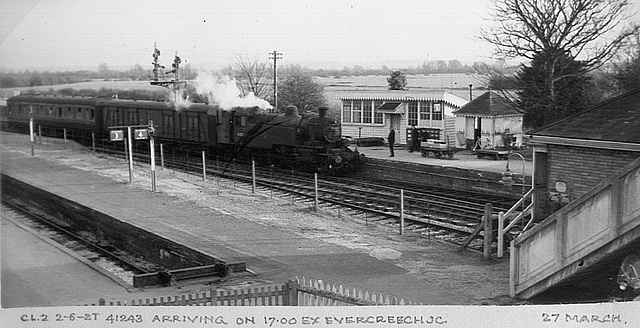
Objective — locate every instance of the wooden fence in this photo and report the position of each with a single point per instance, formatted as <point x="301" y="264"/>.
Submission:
<point x="292" y="293"/>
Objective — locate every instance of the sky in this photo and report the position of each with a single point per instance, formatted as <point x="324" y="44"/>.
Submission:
<point x="82" y="34"/>
<point x="60" y="34"/>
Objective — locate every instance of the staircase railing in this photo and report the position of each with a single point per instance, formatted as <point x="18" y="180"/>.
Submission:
<point x="502" y="217"/>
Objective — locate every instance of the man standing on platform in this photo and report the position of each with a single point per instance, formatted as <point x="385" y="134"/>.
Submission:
<point x="391" y="139"/>
<point x="415" y="143"/>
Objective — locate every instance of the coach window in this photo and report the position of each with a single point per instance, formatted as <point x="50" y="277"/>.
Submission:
<point x="51" y="110"/>
<point x="79" y="114"/>
<point x="167" y="122"/>
<point x="193" y="126"/>
<point x="59" y="111"/>
<point x="69" y="113"/>
<point x="91" y="117"/>
<point x="133" y="117"/>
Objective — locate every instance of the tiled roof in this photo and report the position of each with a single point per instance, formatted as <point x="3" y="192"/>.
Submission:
<point x="490" y="104"/>
<point x="616" y="120"/>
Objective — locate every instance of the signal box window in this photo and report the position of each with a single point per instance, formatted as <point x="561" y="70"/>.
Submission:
<point x="425" y="111"/>
<point x="378" y="118"/>
<point x="346" y="112"/>
<point x="413" y="113"/>
<point x="437" y="112"/>
<point x="366" y="111"/>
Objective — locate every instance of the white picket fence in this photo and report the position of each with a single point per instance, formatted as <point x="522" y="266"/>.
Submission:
<point x="294" y="292"/>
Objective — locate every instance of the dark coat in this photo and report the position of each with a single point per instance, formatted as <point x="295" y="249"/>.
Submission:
<point x="392" y="137"/>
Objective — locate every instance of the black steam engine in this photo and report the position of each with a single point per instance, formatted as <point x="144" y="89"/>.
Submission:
<point x="311" y="142"/>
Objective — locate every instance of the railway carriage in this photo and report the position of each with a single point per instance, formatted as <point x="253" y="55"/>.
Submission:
<point x="188" y="125"/>
<point x="54" y="112"/>
<point x="309" y="142"/>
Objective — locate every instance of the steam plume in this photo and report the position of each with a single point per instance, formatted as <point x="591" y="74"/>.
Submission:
<point x="224" y="92"/>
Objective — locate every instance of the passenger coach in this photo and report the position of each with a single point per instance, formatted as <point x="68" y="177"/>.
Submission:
<point x="56" y="112"/>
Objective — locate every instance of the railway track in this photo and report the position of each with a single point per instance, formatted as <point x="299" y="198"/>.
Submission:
<point x="119" y="264"/>
<point x="450" y="215"/>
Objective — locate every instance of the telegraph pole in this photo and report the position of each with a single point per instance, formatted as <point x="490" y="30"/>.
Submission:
<point x="275" y="56"/>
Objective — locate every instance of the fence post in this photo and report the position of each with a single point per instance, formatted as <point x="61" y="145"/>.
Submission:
<point x="500" y="235"/>
<point x="40" y="134"/>
<point x="253" y="176"/>
<point x="204" y="168"/>
<point x="292" y="292"/>
<point x="401" y="211"/>
<point x="93" y="141"/>
<point x="161" y="157"/>
<point x="64" y="131"/>
<point x="31" y="132"/>
<point x="315" y="189"/>
<point x="488" y="230"/>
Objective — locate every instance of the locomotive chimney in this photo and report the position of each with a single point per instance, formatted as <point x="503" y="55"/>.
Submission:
<point x="290" y="110"/>
<point x="322" y="111"/>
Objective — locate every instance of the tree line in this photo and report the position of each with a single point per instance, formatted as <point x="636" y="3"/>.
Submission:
<point x="35" y="78"/>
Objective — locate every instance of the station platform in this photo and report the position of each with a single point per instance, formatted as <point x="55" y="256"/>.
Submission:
<point x="463" y="159"/>
<point x="274" y="255"/>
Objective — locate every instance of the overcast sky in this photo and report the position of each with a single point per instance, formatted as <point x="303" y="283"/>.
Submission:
<point x="72" y="34"/>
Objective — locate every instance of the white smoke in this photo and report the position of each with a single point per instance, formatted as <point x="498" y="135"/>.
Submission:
<point x="181" y="100"/>
<point x="224" y="92"/>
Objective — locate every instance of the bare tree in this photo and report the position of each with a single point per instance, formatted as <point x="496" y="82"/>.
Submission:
<point x="252" y="75"/>
<point x="555" y="28"/>
<point x="299" y="89"/>
<point x="558" y="32"/>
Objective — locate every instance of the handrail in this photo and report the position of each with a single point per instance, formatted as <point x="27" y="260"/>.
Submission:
<point x="501" y="216"/>
<point x="513" y="208"/>
<point x="518" y="218"/>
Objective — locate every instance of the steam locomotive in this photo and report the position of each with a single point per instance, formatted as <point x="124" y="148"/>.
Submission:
<point x="311" y="142"/>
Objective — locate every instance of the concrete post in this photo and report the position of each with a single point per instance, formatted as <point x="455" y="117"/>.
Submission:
<point x="500" y="234"/>
<point x="488" y="230"/>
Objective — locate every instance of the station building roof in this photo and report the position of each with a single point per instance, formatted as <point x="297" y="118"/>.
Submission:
<point x="406" y="96"/>
<point x="613" y="124"/>
<point x="488" y="104"/>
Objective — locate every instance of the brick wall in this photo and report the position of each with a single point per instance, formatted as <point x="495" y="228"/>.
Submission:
<point x="583" y="168"/>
